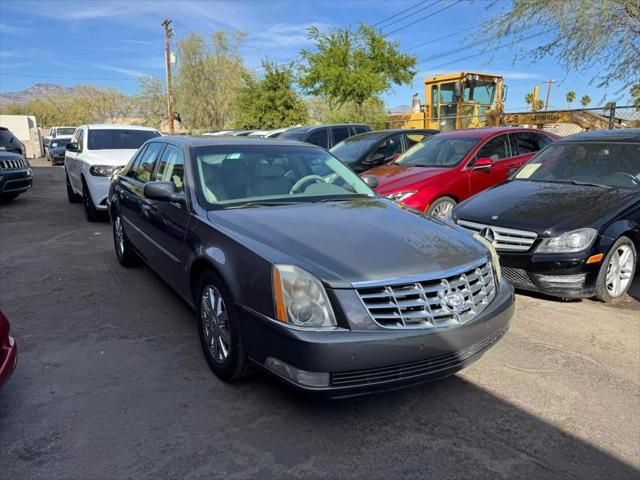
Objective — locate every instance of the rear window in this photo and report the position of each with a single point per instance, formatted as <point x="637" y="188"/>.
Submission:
<point x="118" y="139"/>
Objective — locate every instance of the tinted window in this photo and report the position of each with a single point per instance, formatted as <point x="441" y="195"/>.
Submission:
<point x="134" y="162"/>
<point x="529" y="142"/>
<point x="613" y="164"/>
<point x="496" y="149"/>
<point x="354" y="148"/>
<point x="339" y="134"/>
<point x="438" y="152"/>
<point x="56" y="143"/>
<point x="144" y="167"/>
<point x="293" y="135"/>
<point x="171" y="167"/>
<point x="391" y="148"/>
<point x="65" y="131"/>
<point x="413" y="138"/>
<point x="6" y="137"/>
<point x="319" y="137"/>
<point x="114" y="139"/>
<point x="360" y="129"/>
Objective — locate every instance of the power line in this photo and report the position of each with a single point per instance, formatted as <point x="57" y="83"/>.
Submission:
<point x="413" y="13"/>
<point x="433" y="40"/>
<point x="55" y="77"/>
<point x="424" y="18"/>
<point x="399" y="13"/>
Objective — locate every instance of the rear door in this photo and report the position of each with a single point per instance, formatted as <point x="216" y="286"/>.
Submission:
<point x="498" y="150"/>
<point x="165" y="223"/>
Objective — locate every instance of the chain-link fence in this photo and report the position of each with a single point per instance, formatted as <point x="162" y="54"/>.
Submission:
<point x="560" y="122"/>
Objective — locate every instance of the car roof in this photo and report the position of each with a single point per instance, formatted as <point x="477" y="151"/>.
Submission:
<point x="111" y="126"/>
<point x="485" y="132"/>
<point x="393" y="131"/>
<point x="618" y="135"/>
<point x="209" y="140"/>
<point x="308" y="128"/>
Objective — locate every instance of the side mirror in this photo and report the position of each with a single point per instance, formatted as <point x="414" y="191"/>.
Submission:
<point x="163" y="192"/>
<point x="72" y="147"/>
<point x="370" y="180"/>
<point x="483" y="163"/>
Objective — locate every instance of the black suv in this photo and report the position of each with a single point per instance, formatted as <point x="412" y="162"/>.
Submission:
<point x="16" y="175"/>
<point x="325" y="136"/>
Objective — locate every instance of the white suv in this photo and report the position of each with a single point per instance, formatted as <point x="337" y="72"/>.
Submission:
<point x="93" y="154"/>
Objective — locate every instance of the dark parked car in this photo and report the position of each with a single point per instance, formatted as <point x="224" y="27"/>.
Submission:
<point x="10" y="143"/>
<point x="372" y="149"/>
<point x="265" y="239"/>
<point x="568" y="224"/>
<point x="56" y="150"/>
<point x="8" y="351"/>
<point x="325" y="136"/>
<point x="16" y="175"/>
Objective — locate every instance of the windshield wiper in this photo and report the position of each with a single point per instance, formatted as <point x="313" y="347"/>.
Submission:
<point x="261" y="203"/>
<point x="344" y="198"/>
<point x="588" y="184"/>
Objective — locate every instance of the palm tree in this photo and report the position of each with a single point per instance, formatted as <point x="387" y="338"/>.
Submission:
<point x="539" y="104"/>
<point x="528" y="98"/>
<point x="586" y="100"/>
<point x="571" y="97"/>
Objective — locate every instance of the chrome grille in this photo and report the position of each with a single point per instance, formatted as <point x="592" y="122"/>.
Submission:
<point x="13" y="164"/>
<point x="505" y="239"/>
<point x="431" y="302"/>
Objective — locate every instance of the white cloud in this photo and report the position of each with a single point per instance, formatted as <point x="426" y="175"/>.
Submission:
<point x="125" y="71"/>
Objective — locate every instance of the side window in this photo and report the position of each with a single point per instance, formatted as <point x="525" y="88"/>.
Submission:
<point x="543" y="140"/>
<point x="527" y="142"/>
<point x="391" y="148"/>
<point x="413" y="138"/>
<point x="80" y="140"/>
<point x="144" y="167"/>
<point x="359" y="129"/>
<point x="319" y="137"/>
<point x="134" y="162"/>
<point x="171" y="167"/>
<point x="495" y="149"/>
<point x="339" y="134"/>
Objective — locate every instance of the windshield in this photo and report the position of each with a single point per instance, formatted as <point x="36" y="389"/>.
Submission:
<point x="352" y="149"/>
<point x="59" y="143"/>
<point x="608" y="164"/>
<point x="233" y="175"/>
<point x="65" y="131"/>
<point x="438" y="152"/>
<point x="116" y="139"/>
<point x="293" y="135"/>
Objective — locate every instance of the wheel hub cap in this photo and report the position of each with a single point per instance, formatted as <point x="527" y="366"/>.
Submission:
<point x="620" y="270"/>
<point x="215" y="323"/>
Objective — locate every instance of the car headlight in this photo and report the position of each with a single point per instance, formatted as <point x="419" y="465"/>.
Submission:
<point x="300" y="299"/>
<point x="569" y="242"/>
<point x="103" y="170"/>
<point x="400" y="196"/>
<point x="495" y="260"/>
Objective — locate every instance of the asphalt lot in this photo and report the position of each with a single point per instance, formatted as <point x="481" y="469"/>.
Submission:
<point x="111" y="383"/>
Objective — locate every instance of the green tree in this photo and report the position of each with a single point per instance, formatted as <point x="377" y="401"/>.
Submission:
<point x="539" y="104"/>
<point x="528" y="98"/>
<point x="585" y="101"/>
<point x="353" y="66"/>
<point x="151" y="101"/>
<point x="581" y="34"/>
<point x="635" y="96"/>
<point x="371" y="112"/>
<point x="269" y="102"/>
<point x="209" y="77"/>
<point x="571" y="97"/>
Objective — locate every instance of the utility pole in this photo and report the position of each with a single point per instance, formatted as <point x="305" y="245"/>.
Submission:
<point x="546" y="103"/>
<point x="168" y="32"/>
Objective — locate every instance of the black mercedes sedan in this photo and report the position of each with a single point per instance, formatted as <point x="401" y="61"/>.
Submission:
<point x="368" y="150"/>
<point x="568" y="223"/>
<point x="295" y="266"/>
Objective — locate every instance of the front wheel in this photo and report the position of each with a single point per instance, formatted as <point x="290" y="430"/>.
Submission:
<point x="219" y="330"/>
<point x="617" y="271"/>
<point x="442" y="208"/>
<point x="91" y="213"/>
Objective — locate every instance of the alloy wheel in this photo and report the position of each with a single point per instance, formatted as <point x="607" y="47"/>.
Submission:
<point x="119" y="235"/>
<point x="215" y="324"/>
<point x="443" y="210"/>
<point x="619" y="271"/>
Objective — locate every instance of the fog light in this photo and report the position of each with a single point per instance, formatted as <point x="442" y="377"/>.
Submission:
<point x="302" y="377"/>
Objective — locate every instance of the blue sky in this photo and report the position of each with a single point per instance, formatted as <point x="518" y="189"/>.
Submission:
<point x="112" y="42"/>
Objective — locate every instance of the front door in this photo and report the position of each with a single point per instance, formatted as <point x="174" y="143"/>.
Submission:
<point x="498" y="150"/>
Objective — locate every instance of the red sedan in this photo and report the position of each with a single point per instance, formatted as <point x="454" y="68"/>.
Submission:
<point x="436" y="174"/>
<point x="8" y="351"/>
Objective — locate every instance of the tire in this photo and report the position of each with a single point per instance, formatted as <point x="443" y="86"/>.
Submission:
<point x="442" y="208"/>
<point x="212" y="330"/>
<point x="612" y="268"/>
<point x="125" y="252"/>
<point x="7" y="197"/>
<point x="91" y="213"/>
<point x="72" y="196"/>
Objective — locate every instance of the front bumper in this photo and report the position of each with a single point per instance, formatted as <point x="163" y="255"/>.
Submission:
<point x="98" y="189"/>
<point x="8" y="360"/>
<point x="358" y="362"/>
<point x="560" y="275"/>
<point x="16" y="181"/>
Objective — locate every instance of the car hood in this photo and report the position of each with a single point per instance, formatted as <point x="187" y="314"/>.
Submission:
<point x="108" y="157"/>
<point x="546" y="208"/>
<point x="351" y="241"/>
<point x="395" y="178"/>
